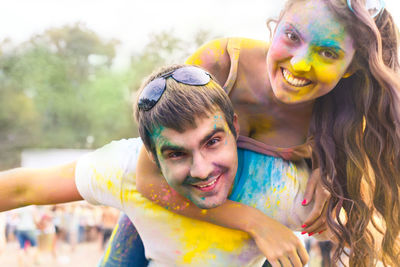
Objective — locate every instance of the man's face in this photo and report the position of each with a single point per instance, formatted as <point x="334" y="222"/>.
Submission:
<point x="199" y="163"/>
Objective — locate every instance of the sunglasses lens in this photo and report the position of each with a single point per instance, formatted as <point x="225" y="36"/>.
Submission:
<point x="154" y="90"/>
<point x="151" y="94"/>
<point x="374" y="7"/>
<point x="191" y="76"/>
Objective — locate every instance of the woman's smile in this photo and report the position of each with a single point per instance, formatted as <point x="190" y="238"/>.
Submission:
<point x="294" y="80"/>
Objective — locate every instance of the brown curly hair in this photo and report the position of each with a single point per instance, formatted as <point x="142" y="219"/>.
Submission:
<point x="357" y="141"/>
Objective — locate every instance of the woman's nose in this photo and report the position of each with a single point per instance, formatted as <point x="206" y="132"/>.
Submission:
<point x="301" y="60"/>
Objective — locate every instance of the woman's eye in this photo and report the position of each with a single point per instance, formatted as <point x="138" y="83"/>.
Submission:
<point x="329" y="54"/>
<point x="292" y="36"/>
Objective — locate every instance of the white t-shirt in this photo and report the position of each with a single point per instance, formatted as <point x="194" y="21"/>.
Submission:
<point x="26" y="218"/>
<point x="107" y="176"/>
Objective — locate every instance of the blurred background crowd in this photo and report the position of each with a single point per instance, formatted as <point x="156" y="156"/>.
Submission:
<point x="53" y="235"/>
<point x="76" y="234"/>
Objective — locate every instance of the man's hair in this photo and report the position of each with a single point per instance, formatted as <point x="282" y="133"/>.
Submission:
<point x="180" y="106"/>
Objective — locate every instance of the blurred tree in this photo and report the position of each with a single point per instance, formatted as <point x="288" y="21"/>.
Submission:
<point x="58" y="90"/>
<point x="57" y="68"/>
<point x="165" y="48"/>
<point x="18" y="116"/>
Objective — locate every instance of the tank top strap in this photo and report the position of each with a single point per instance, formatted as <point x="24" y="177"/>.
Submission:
<point x="294" y="153"/>
<point x="233" y="49"/>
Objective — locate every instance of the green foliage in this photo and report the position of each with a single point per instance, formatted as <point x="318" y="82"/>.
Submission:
<point x="59" y="90"/>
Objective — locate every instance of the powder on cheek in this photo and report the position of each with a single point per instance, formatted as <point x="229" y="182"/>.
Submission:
<point x="278" y="48"/>
<point x="328" y="73"/>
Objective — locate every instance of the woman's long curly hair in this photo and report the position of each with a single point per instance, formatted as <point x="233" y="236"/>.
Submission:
<point x="357" y="141"/>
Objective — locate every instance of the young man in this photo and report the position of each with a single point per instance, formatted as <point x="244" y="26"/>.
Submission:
<point x="188" y="126"/>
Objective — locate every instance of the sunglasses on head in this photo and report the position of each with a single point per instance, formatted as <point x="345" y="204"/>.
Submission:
<point x="374" y="7"/>
<point x="153" y="91"/>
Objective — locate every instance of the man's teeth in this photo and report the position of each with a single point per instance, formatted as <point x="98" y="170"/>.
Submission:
<point x="293" y="80"/>
<point x="209" y="184"/>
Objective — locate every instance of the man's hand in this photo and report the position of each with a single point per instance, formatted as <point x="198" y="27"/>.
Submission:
<point x="316" y="221"/>
<point x="279" y="244"/>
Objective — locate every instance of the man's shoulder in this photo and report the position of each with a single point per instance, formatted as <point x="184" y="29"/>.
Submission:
<point x="99" y="175"/>
<point x="120" y="152"/>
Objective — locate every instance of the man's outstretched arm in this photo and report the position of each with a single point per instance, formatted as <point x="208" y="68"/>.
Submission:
<point x="29" y="186"/>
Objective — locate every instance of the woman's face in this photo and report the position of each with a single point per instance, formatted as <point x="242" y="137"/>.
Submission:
<point x="310" y="52"/>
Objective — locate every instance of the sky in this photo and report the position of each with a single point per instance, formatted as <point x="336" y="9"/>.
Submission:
<point x="131" y="21"/>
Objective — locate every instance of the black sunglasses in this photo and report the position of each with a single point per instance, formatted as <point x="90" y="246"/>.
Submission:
<point x="153" y="91"/>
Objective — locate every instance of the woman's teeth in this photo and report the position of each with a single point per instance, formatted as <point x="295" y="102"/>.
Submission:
<point x="294" y="81"/>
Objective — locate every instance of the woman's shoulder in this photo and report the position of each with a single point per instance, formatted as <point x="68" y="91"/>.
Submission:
<point x="248" y="43"/>
<point x="254" y="50"/>
<point x="215" y="58"/>
<point x="217" y="48"/>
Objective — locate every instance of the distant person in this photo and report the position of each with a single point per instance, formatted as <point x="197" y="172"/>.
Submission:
<point x="109" y="219"/>
<point x="26" y="233"/>
<point x="46" y="233"/>
<point x="3" y="222"/>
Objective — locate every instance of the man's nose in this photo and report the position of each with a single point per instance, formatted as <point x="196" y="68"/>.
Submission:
<point x="201" y="167"/>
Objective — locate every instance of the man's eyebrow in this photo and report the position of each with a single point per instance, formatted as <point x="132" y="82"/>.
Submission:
<point x="168" y="147"/>
<point x="213" y="132"/>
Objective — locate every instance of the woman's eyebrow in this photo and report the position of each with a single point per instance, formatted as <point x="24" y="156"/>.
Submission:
<point x="330" y="43"/>
<point x="326" y="42"/>
<point x="294" y="28"/>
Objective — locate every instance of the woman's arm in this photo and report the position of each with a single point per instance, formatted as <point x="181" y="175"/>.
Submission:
<point x="264" y="230"/>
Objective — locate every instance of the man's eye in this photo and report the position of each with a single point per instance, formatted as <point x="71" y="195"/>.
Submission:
<point x="329" y="54"/>
<point x="292" y="36"/>
<point x="174" y="155"/>
<point x="213" y="142"/>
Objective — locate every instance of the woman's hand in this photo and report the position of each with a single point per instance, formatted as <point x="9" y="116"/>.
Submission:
<point x="316" y="221"/>
<point x="278" y="243"/>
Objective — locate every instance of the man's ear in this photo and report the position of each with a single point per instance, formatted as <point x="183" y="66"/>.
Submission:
<point x="236" y="125"/>
<point x="152" y="157"/>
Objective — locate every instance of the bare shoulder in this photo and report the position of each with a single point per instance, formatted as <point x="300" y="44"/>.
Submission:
<point x="248" y="43"/>
<point x="214" y="57"/>
<point x="210" y="54"/>
<point x="253" y="52"/>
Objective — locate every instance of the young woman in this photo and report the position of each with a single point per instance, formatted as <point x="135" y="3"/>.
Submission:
<point x="329" y="79"/>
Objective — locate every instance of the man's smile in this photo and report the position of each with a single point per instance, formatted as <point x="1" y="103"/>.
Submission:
<point x="208" y="185"/>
